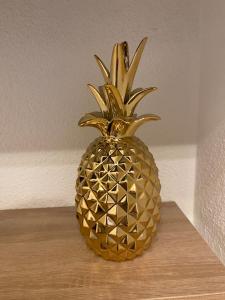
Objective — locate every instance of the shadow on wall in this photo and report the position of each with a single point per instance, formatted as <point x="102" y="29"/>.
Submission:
<point x="46" y="59"/>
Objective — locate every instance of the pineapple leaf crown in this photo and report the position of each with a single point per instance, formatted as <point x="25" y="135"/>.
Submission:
<point x="116" y="99"/>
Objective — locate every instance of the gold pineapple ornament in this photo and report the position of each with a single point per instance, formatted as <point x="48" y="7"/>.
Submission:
<point x="118" y="189"/>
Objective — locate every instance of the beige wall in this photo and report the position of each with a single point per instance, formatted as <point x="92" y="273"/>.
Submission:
<point x="210" y="185"/>
<point x="46" y="59"/>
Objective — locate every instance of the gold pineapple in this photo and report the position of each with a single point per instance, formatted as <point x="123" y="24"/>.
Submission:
<point x="118" y="189"/>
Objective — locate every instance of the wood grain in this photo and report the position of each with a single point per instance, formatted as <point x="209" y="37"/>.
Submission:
<point x="43" y="256"/>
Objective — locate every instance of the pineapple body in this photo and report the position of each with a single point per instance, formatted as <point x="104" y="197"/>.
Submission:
<point x="118" y="197"/>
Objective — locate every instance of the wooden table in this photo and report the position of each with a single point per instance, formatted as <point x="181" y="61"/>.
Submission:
<point x="43" y="256"/>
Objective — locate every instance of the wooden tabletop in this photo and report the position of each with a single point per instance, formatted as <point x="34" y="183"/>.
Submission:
<point x="43" y="256"/>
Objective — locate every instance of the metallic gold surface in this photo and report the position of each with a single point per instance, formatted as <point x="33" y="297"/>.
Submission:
<point x="118" y="189"/>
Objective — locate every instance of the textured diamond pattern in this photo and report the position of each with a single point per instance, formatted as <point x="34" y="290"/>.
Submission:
<point x="117" y="200"/>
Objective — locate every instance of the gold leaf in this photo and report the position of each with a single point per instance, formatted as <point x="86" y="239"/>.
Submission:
<point x="115" y="99"/>
<point x="99" y="99"/>
<point x="96" y="120"/>
<point x="134" y="64"/>
<point x="136" y="98"/>
<point x="137" y="122"/>
<point x="103" y="68"/>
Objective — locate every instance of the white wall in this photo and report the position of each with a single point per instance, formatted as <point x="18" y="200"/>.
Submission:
<point x="210" y="186"/>
<point x="46" y="59"/>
